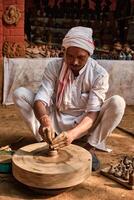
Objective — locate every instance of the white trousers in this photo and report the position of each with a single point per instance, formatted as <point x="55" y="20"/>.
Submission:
<point x="108" y="119"/>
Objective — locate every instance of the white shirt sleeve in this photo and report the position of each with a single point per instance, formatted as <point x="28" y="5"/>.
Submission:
<point x="47" y="89"/>
<point x="98" y="92"/>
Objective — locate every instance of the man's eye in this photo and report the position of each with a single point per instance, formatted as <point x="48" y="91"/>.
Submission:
<point x="81" y="58"/>
<point x="69" y="56"/>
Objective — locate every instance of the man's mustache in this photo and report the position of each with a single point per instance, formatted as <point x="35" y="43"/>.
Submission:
<point x="75" y="66"/>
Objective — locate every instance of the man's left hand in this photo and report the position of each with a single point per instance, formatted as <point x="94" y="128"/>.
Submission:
<point x="61" y="140"/>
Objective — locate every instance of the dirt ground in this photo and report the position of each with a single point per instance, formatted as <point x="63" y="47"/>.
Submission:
<point x="96" y="187"/>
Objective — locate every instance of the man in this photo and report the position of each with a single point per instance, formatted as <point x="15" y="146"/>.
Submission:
<point x="71" y="100"/>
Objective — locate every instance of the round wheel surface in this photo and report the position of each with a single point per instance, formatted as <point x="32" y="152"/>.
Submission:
<point x="34" y="166"/>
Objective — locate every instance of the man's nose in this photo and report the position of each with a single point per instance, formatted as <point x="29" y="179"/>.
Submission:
<point x="75" y="61"/>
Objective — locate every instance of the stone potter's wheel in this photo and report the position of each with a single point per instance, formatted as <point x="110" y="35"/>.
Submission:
<point x="33" y="166"/>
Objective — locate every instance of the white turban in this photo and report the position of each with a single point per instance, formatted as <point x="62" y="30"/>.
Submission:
<point x="79" y="37"/>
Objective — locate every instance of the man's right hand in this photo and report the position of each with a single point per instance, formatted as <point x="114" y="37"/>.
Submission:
<point x="46" y="130"/>
<point x="47" y="134"/>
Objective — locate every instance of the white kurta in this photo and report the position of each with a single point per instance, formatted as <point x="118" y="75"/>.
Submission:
<point x="85" y="93"/>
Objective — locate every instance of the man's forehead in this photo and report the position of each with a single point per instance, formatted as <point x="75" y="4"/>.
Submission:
<point x="76" y="50"/>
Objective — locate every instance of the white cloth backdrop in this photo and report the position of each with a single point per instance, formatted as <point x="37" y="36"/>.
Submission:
<point x="28" y="72"/>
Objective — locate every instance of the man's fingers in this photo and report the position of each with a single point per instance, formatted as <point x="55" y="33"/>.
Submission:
<point x="48" y="135"/>
<point x="60" y="138"/>
<point x="60" y="141"/>
<point x="59" y="145"/>
<point x="55" y="143"/>
<point x="52" y="134"/>
<point x="44" y="137"/>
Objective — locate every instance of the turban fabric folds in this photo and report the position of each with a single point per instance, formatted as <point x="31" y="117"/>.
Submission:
<point x="79" y="37"/>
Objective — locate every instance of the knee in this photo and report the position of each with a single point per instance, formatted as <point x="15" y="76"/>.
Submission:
<point x="118" y="103"/>
<point x="23" y="96"/>
<point x="18" y="93"/>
